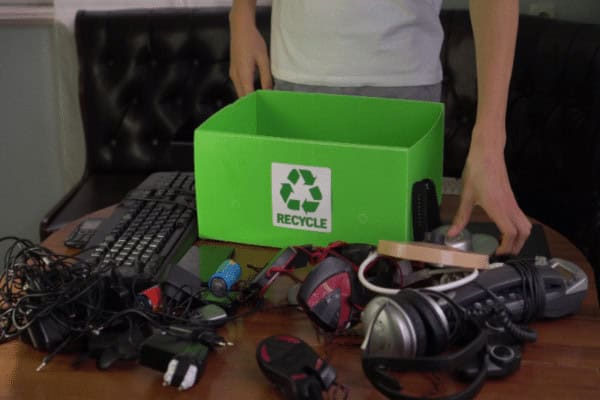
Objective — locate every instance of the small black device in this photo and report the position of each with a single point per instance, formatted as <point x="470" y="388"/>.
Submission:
<point x="425" y="208"/>
<point x="182" y="279"/>
<point x="83" y="232"/>
<point x="294" y="367"/>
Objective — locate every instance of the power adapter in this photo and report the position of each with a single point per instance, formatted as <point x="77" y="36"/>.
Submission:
<point x="181" y="360"/>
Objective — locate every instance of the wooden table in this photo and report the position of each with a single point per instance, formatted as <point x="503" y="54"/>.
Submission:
<point x="564" y="363"/>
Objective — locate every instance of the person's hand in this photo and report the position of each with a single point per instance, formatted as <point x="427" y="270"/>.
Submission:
<point x="486" y="183"/>
<point x="248" y="52"/>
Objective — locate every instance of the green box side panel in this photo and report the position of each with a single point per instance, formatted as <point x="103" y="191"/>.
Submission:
<point x="234" y="197"/>
<point x="426" y="158"/>
<point x="239" y="117"/>
<point x="343" y="119"/>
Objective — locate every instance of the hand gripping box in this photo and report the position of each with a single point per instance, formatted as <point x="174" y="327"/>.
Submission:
<point x="282" y="168"/>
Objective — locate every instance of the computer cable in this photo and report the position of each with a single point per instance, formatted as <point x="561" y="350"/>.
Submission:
<point x="373" y="256"/>
<point x="52" y="301"/>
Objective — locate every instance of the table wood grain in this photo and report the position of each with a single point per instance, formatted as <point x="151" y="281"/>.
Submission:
<point x="564" y="363"/>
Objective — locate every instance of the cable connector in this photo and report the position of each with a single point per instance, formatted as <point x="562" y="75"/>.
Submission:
<point x="206" y="336"/>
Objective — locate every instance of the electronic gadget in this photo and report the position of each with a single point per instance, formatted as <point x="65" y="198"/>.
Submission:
<point x="210" y="312"/>
<point x="285" y="261"/>
<point x="83" y="232"/>
<point x="331" y="295"/>
<point x="406" y="252"/>
<point x="411" y="332"/>
<point x="463" y="250"/>
<point x="149" y="229"/>
<point x="294" y="367"/>
<point x="480" y="323"/>
<point x="481" y="243"/>
<point x="425" y="208"/>
<point x="182" y="280"/>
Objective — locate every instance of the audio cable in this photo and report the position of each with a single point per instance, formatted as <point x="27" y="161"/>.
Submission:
<point x="373" y="256"/>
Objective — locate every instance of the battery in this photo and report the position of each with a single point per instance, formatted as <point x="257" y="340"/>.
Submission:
<point x="224" y="278"/>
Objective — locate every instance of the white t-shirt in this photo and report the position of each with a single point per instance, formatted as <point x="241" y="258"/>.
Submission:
<point x="357" y="42"/>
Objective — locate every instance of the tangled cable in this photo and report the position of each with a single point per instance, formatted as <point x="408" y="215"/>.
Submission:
<point x="77" y="302"/>
<point x="534" y="300"/>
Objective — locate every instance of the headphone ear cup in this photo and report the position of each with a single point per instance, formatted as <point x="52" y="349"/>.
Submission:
<point x="328" y="294"/>
<point x="417" y="322"/>
<point x="435" y="329"/>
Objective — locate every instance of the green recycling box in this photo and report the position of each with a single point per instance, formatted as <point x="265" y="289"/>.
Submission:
<point x="285" y="168"/>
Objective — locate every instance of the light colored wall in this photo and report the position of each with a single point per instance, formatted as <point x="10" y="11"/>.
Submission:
<point x="31" y="176"/>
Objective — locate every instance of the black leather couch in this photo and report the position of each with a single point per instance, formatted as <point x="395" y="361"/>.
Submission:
<point x="149" y="77"/>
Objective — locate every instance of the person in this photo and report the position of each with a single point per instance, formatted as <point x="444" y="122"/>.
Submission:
<point x="391" y="48"/>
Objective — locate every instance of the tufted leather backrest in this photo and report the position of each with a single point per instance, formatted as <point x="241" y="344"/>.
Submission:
<point x="148" y="78"/>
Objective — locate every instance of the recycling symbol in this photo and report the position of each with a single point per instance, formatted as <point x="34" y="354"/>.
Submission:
<point x="311" y="200"/>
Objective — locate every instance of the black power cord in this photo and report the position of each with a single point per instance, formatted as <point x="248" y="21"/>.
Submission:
<point x="60" y="303"/>
<point x="534" y="300"/>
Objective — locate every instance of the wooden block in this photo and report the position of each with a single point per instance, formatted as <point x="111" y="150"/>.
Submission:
<point x="433" y="254"/>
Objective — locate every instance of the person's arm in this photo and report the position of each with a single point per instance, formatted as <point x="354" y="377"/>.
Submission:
<point x="485" y="178"/>
<point x="248" y="49"/>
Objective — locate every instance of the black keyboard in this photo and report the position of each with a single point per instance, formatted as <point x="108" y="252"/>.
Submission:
<point x="152" y="227"/>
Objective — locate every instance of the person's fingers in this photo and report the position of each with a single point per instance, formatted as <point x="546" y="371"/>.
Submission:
<point x="264" y="70"/>
<point x="523" y="231"/>
<point x="513" y="225"/>
<point x="242" y="77"/>
<point x="463" y="214"/>
<point x="236" y="85"/>
<point x="246" y="84"/>
<point x="508" y="234"/>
